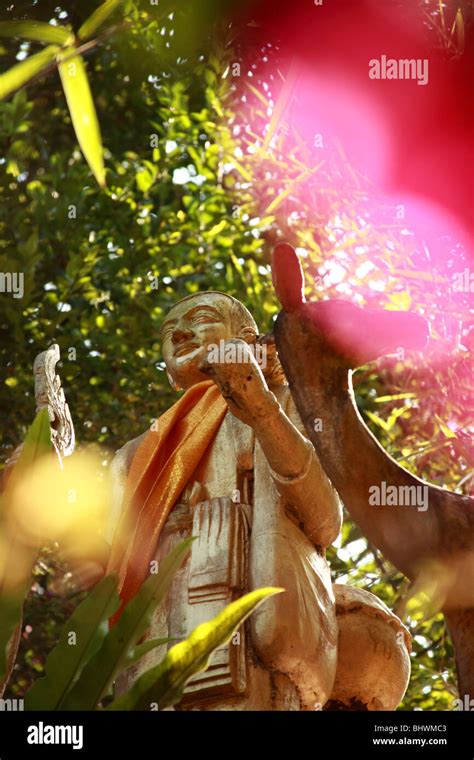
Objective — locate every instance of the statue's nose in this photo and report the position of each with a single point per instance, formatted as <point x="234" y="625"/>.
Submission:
<point x="181" y="334"/>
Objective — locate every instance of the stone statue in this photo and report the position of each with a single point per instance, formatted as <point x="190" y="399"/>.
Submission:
<point x="230" y="463"/>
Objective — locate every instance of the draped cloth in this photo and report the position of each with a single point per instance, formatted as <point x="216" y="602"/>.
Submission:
<point x="160" y="470"/>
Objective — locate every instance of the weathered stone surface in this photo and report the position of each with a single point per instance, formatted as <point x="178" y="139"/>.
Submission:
<point x="264" y="512"/>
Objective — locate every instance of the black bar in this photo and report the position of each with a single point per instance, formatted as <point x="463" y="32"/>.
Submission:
<point x="375" y="734"/>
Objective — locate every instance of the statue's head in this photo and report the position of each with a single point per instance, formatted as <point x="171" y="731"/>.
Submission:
<point x="195" y="323"/>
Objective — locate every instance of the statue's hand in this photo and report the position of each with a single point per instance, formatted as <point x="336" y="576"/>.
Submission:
<point x="236" y="372"/>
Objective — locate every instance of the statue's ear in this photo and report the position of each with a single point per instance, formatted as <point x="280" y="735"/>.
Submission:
<point x="173" y="383"/>
<point x="247" y="334"/>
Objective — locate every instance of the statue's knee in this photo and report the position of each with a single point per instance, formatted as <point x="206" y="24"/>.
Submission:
<point x="373" y="660"/>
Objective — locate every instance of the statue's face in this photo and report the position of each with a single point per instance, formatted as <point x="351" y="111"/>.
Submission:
<point x="189" y="329"/>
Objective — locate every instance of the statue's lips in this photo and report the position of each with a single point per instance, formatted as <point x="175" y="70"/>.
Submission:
<point x="185" y="349"/>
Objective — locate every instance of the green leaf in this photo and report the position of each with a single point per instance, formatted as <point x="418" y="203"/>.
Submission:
<point x="447" y="432"/>
<point x="218" y="228"/>
<point x="119" y="644"/>
<point x="378" y="421"/>
<point x="283" y="102"/>
<point x="273" y="205"/>
<point x="97" y="18"/>
<point x="36" y="30"/>
<point x="458" y="24"/>
<point x="145" y="178"/>
<point x="393" y="397"/>
<point x="81" y="107"/>
<point x="395" y="415"/>
<point x="258" y="94"/>
<point x="20" y="74"/>
<point x="37" y="443"/>
<point x="164" y="684"/>
<point x="65" y="663"/>
<point x="400" y="300"/>
<point x="147" y="646"/>
<point x="242" y="171"/>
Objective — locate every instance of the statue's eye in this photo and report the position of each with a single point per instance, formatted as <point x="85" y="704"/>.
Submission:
<point x="203" y="318"/>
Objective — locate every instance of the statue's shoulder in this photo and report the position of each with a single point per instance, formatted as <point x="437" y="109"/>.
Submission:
<point x="123" y="457"/>
<point x="119" y="468"/>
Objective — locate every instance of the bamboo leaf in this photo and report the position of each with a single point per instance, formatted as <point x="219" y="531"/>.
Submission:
<point x="81" y="107"/>
<point x="20" y="74"/>
<point x="36" y="30"/>
<point x="118" y="645"/>
<point x="242" y="171"/>
<point x="97" y="18"/>
<point x="258" y="94"/>
<point x="273" y="205"/>
<point x="395" y="415"/>
<point x="441" y="14"/>
<point x="447" y="432"/>
<point x="283" y="102"/>
<point x="65" y="663"/>
<point x="410" y="274"/>
<point x="378" y="421"/>
<point x="460" y="35"/>
<point x="394" y="397"/>
<point x="164" y="684"/>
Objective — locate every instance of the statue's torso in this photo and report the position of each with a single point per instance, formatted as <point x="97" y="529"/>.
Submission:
<point x="246" y="539"/>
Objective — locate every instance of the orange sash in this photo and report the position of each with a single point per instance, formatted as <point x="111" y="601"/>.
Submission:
<point x="160" y="470"/>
